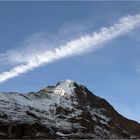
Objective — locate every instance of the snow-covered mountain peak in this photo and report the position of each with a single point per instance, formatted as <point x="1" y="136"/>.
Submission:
<point x="67" y="82"/>
<point x="65" y="111"/>
<point x="65" y="88"/>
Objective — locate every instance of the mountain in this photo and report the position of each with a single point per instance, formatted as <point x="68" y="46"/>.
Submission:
<point x="65" y="111"/>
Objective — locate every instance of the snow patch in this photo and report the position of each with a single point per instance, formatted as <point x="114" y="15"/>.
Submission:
<point x="65" y="88"/>
<point x="59" y="91"/>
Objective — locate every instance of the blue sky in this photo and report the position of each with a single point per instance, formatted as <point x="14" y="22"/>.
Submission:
<point x="112" y="72"/>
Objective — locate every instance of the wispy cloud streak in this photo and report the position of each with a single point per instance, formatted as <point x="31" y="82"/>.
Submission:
<point x="75" y="47"/>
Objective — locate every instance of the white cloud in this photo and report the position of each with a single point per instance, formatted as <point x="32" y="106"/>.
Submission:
<point x="71" y="48"/>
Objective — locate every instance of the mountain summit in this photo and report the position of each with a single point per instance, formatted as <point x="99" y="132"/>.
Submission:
<point x="65" y="111"/>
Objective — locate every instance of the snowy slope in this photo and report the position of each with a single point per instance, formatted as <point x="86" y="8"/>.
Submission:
<point x="67" y="110"/>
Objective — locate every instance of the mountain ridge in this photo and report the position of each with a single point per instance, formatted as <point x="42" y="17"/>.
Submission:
<point x="67" y="110"/>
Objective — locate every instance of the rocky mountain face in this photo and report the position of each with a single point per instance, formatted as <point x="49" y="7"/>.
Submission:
<point x="65" y="111"/>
